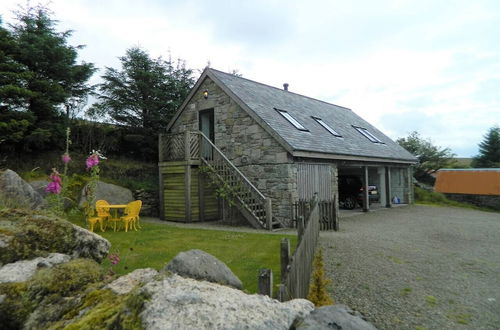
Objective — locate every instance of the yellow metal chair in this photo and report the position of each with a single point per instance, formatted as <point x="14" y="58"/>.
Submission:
<point x="102" y="215"/>
<point x="131" y="217"/>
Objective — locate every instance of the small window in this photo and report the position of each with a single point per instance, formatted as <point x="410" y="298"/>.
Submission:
<point x="328" y="128"/>
<point x="368" y="135"/>
<point x="292" y="120"/>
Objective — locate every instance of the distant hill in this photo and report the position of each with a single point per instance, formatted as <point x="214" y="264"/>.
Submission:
<point x="462" y="162"/>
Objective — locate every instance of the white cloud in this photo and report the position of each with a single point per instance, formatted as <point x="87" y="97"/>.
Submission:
<point x="402" y="65"/>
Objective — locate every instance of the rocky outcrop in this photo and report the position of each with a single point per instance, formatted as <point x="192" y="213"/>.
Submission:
<point x="200" y="265"/>
<point x="183" y="303"/>
<point x="27" y="235"/>
<point x="112" y="193"/>
<point x="49" y="278"/>
<point x="39" y="186"/>
<point x="334" y="317"/>
<point x="87" y="244"/>
<point x="23" y="270"/>
<point x="15" y="192"/>
<point x="127" y="283"/>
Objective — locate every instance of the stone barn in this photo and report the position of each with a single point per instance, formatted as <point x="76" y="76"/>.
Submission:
<point x="262" y="148"/>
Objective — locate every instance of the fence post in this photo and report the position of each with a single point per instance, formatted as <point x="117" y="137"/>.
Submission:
<point x="285" y="257"/>
<point x="269" y="214"/>
<point x="335" y="213"/>
<point x="282" y="296"/>
<point x="266" y="282"/>
<point x="300" y="228"/>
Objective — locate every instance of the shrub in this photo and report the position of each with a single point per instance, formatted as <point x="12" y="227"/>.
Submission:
<point x="318" y="294"/>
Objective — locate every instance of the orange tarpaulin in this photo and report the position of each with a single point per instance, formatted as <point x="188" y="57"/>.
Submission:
<point x="468" y="181"/>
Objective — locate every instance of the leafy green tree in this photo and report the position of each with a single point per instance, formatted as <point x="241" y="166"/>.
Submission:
<point x="145" y="93"/>
<point x="489" y="150"/>
<point x="45" y="75"/>
<point x="430" y="157"/>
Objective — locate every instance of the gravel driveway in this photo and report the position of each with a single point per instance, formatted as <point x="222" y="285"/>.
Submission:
<point x="418" y="267"/>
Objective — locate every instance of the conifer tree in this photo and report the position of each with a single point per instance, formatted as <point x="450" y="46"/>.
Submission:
<point x="318" y="293"/>
<point x="489" y="150"/>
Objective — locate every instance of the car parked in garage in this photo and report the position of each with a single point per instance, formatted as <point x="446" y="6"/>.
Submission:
<point x="351" y="192"/>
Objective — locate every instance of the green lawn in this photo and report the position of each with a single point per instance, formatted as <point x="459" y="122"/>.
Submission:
<point x="156" y="244"/>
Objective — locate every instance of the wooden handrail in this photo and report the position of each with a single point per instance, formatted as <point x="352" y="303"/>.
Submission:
<point x="242" y="176"/>
<point x="250" y="200"/>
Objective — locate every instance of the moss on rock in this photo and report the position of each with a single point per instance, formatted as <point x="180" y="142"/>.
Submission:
<point x="65" y="279"/>
<point x="16" y="306"/>
<point x="103" y="309"/>
<point x="33" y="234"/>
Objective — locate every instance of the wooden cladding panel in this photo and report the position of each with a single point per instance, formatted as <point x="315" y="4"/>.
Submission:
<point x="173" y="196"/>
<point x="174" y="201"/>
<point x="314" y="178"/>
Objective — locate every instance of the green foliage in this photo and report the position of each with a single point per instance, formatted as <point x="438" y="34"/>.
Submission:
<point x="489" y="150"/>
<point x="423" y="196"/>
<point x="13" y="75"/>
<point x="39" y="76"/>
<point x="144" y="94"/>
<point x="430" y="157"/>
<point x="318" y="293"/>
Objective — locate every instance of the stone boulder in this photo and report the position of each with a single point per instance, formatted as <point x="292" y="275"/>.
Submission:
<point x="127" y="283"/>
<point x="15" y="192"/>
<point x="112" y="193"/>
<point x="28" y="234"/>
<point x="39" y="186"/>
<point x="334" y="317"/>
<point x="200" y="265"/>
<point x="87" y="244"/>
<point x="23" y="270"/>
<point x="184" y="303"/>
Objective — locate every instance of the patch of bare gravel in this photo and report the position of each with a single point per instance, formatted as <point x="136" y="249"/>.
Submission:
<point x="418" y="267"/>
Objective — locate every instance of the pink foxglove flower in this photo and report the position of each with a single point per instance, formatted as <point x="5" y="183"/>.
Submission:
<point x="66" y="158"/>
<point x="92" y="161"/>
<point x="55" y="184"/>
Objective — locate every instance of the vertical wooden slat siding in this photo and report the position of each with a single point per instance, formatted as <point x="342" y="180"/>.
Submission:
<point x="314" y="178"/>
<point x="174" y="195"/>
<point x="328" y="213"/>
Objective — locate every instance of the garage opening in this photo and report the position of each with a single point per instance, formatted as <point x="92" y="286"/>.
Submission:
<point x="386" y="186"/>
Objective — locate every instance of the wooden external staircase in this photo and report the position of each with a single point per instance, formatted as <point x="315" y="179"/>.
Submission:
<point x="198" y="159"/>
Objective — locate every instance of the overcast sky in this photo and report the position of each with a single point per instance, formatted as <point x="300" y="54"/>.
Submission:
<point x="430" y="66"/>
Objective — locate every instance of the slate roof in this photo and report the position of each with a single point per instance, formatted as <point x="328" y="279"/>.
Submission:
<point x="263" y="100"/>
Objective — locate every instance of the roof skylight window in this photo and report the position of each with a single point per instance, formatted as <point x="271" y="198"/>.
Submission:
<point x="327" y="127"/>
<point x="292" y="120"/>
<point x="368" y="135"/>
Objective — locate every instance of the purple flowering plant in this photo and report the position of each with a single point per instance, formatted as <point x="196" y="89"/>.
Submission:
<point x="92" y="164"/>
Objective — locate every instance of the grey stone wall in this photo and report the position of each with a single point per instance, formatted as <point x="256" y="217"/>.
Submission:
<point x="491" y="201"/>
<point x="243" y="141"/>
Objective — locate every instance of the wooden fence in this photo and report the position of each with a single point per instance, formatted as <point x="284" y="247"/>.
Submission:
<point x="296" y="271"/>
<point x="328" y="214"/>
